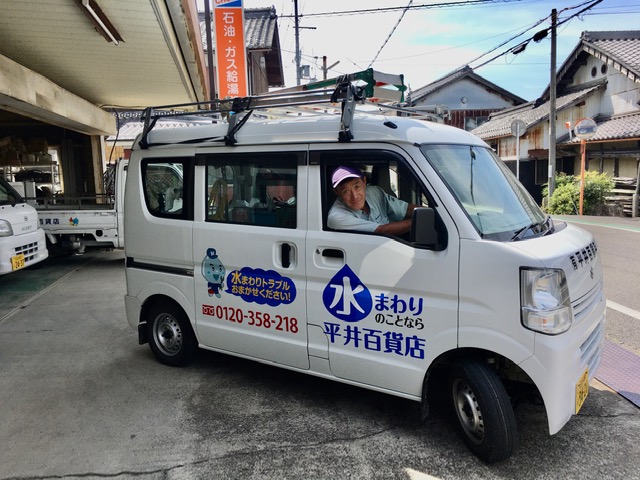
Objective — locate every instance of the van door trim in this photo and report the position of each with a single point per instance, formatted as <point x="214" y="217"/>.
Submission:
<point x="152" y="267"/>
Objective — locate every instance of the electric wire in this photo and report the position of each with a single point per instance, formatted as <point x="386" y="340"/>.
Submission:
<point x="391" y="33"/>
<point x="464" y="3"/>
<point x="587" y="10"/>
<point x="542" y="34"/>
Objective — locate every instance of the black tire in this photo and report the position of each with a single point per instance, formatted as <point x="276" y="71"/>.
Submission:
<point x="170" y="335"/>
<point x="483" y="410"/>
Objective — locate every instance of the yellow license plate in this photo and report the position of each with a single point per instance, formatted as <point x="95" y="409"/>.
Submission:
<point x="582" y="390"/>
<point x="17" y="261"/>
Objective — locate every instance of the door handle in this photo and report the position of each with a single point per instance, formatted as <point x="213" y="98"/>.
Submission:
<point x="329" y="257"/>
<point x="332" y="253"/>
<point x="285" y="258"/>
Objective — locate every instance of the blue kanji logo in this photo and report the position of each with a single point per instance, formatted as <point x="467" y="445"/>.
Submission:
<point x="346" y="297"/>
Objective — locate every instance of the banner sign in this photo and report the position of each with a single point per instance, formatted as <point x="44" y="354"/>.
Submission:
<point x="230" y="47"/>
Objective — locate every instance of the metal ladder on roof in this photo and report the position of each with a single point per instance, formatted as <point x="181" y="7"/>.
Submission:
<point x="347" y="90"/>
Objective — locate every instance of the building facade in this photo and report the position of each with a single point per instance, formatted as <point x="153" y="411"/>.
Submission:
<point x="600" y="79"/>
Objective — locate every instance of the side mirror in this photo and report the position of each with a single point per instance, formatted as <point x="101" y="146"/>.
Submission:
<point x="423" y="227"/>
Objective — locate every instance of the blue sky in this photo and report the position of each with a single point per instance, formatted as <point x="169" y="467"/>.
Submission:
<point x="429" y="43"/>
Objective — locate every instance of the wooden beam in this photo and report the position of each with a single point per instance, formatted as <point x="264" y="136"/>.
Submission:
<point x="32" y="95"/>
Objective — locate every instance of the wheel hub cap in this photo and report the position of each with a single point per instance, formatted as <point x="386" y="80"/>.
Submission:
<point x="468" y="411"/>
<point x="168" y="335"/>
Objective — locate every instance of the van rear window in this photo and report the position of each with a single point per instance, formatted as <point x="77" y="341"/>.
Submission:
<point x="163" y="185"/>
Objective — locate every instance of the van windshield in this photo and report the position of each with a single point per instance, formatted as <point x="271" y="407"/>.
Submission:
<point x="8" y="195"/>
<point x="495" y="201"/>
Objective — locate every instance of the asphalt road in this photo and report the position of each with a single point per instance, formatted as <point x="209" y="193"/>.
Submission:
<point x="618" y="240"/>
<point x="80" y="399"/>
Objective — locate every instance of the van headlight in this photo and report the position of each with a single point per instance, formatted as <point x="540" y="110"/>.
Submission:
<point x="5" y="229"/>
<point x="544" y="300"/>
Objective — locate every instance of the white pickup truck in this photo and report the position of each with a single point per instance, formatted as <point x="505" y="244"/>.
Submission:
<point x="72" y="224"/>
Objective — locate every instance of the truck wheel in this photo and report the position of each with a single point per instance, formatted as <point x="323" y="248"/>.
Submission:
<point x="484" y="411"/>
<point x="170" y="335"/>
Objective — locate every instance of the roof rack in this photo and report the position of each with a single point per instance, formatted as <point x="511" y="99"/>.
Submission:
<point x="433" y="113"/>
<point x="348" y="90"/>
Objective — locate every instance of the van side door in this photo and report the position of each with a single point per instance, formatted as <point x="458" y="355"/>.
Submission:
<point x="249" y="252"/>
<point x="380" y="308"/>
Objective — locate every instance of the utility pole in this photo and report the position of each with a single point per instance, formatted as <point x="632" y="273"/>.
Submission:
<point x="297" y="32"/>
<point x="325" y="69"/>
<point x="552" y="106"/>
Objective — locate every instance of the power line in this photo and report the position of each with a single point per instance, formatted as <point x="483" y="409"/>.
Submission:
<point x="509" y="40"/>
<point x="587" y="10"/>
<point x="464" y="3"/>
<point x="391" y="33"/>
<point x="595" y="11"/>
<point x="617" y="9"/>
<point x="541" y="34"/>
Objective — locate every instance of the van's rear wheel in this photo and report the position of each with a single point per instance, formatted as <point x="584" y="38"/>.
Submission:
<point x="484" y="411"/>
<point x="170" y="335"/>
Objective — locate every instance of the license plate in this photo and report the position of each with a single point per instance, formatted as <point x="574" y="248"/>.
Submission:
<point x="582" y="390"/>
<point x="17" y="261"/>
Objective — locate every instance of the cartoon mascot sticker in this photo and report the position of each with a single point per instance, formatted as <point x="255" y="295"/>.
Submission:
<point x="213" y="271"/>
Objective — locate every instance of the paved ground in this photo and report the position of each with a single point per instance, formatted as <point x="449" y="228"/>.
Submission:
<point x="80" y="399"/>
<point x="617" y="240"/>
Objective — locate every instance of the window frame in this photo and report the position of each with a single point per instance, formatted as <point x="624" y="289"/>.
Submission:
<point x="274" y="214"/>
<point x="186" y="212"/>
<point x="328" y="160"/>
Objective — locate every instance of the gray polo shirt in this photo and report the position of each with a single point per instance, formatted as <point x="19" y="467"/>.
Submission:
<point x="383" y="209"/>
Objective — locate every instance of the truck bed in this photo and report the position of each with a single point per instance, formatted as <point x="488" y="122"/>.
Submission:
<point x="88" y="223"/>
<point x="77" y="221"/>
<point x="95" y="202"/>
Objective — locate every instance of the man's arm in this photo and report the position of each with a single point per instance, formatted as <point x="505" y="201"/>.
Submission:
<point x="394" y="228"/>
<point x="398" y="228"/>
<point x="410" y="208"/>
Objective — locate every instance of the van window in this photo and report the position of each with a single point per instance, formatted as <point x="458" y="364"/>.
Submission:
<point x="252" y="189"/>
<point x="163" y="185"/>
<point x="497" y="204"/>
<point x="382" y="169"/>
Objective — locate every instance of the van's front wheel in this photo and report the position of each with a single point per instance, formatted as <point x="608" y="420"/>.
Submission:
<point x="484" y="411"/>
<point x="170" y="335"/>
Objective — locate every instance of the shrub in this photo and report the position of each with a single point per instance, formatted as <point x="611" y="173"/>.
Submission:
<point x="566" y="196"/>
<point x="565" y="200"/>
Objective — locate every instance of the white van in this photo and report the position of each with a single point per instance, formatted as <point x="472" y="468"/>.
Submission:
<point x="22" y="242"/>
<point x="486" y="298"/>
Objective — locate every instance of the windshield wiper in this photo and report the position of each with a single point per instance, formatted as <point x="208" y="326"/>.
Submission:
<point x="519" y="234"/>
<point x="549" y="224"/>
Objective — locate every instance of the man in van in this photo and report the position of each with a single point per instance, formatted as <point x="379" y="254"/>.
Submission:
<point x="366" y="208"/>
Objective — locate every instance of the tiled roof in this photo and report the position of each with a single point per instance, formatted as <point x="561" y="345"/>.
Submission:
<point x="421" y="92"/>
<point x="617" y="127"/>
<point x="452" y="77"/>
<point x="499" y="124"/>
<point x="260" y="25"/>
<point x="619" y="49"/>
<point x="622" y="47"/>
